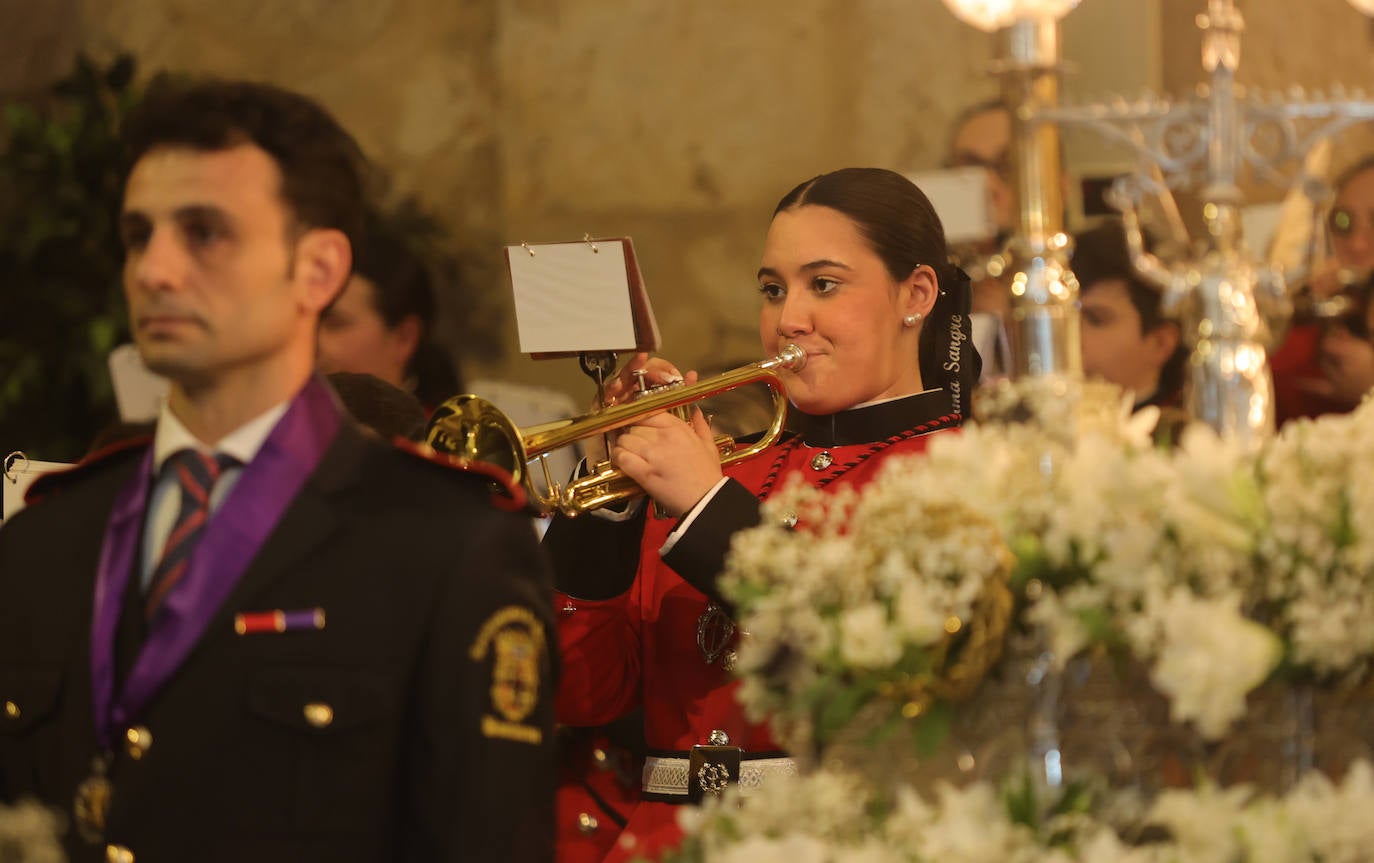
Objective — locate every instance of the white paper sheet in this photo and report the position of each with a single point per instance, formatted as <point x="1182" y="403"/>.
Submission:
<point x="569" y="298"/>
<point x="960" y="198"/>
<point x="19" y="474"/>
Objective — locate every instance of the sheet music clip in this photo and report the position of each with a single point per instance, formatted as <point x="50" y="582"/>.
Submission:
<point x="14" y="458"/>
<point x="599" y="366"/>
<point x="21" y="471"/>
<point x="587" y="238"/>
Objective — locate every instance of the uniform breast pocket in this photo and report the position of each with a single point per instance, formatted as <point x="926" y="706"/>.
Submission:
<point x="28" y="706"/>
<point x="334" y="733"/>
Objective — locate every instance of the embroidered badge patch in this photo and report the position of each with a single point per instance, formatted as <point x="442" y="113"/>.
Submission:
<point x="514" y="639"/>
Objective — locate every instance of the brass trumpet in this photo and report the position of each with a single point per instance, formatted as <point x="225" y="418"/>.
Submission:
<point x="473" y="429"/>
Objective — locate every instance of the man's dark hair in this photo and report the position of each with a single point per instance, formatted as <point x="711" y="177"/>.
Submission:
<point x="323" y="170"/>
<point x="391" y="257"/>
<point x="1099" y="254"/>
<point x="389" y="411"/>
<point x="1352" y="171"/>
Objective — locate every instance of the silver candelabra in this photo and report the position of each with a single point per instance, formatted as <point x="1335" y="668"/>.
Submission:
<point x="1231" y="306"/>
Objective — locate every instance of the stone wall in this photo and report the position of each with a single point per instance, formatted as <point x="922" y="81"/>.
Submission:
<point x="682" y="124"/>
<point x="679" y="123"/>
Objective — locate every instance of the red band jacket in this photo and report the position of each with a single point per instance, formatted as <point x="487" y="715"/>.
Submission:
<point x="631" y="621"/>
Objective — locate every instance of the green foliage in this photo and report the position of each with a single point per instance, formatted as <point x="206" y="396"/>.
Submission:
<point x="61" y="175"/>
<point x="1042" y="809"/>
<point x="931" y="728"/>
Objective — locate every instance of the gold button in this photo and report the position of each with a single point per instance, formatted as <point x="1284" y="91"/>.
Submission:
<point x="599" y="756"/>
<point x="139" y="740"/>
<point x="11" y="710"/>
<point x="587" y="824"/>
<point x="319" y="714"/>
<point x="118" y="854"/>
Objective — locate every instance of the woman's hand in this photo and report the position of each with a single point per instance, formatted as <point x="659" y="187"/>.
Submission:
<point x="657" y="371"/>
<point x="1332" y="278"/>
<point x="1347" y="364"/>
<point x="675" y="462"/>
<point x="622" y="387"/>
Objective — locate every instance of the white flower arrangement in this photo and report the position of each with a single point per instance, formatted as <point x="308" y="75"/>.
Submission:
<point x="1317" y="554"/>
<point x="1209" y="564"/>
<point x="853" y="605"/>
<point x="29" y="834"/>
<point x="829" y="817"/>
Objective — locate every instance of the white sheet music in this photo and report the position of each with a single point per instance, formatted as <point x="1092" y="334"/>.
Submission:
<point x="960" y="199"/>
<point x="19" y="474"/>
<point x="569" y="298"/>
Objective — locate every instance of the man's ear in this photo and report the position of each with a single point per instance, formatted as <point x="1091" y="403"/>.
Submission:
<point x="1161" y="342"/>
<point x="918" y="292"/>
<point x="324" y="259"/>
<point x="407" y="337"/>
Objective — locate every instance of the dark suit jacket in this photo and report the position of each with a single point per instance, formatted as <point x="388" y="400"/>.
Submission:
<point x="409" y="559"/>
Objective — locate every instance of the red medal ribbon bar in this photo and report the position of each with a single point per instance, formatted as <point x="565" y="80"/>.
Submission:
<point x="277" y="620"/>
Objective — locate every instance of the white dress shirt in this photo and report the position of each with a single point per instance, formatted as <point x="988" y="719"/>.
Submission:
<point x="164" y="502"/>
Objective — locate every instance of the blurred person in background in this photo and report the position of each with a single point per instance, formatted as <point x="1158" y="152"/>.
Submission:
<point x="382" y="324"/>
<point x="982" y="139"/>
<point x="1126" y="339"/>
<point x="1326" y="365"/>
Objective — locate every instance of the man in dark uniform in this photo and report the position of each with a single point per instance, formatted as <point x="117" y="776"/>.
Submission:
<point x="265" y="635"/>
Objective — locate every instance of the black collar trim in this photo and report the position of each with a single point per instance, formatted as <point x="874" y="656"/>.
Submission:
<point x="869" y="424"/>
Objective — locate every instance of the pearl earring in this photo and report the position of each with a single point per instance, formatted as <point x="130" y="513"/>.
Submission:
<point x="912" y="320"/>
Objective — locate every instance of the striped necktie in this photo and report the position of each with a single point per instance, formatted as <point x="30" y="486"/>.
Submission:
<point x="196" y="474"/>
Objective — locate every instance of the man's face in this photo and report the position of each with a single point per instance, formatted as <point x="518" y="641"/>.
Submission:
<point x="1114" y="348"/>
<point x="984" y="140"/>
<point x="209" y="273"/>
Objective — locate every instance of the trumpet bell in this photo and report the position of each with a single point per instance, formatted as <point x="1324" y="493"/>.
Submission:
<point x="473" y="429"/>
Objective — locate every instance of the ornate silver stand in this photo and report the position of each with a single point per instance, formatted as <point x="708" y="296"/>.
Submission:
<point x="1230" y="305"/>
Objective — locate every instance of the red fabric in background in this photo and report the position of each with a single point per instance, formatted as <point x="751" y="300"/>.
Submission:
<point x="1293" y="364"/>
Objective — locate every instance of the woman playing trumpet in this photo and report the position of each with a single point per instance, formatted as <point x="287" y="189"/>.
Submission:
<point x="854" y="273"/>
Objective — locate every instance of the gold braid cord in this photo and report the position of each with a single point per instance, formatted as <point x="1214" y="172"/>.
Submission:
<point x="964" y="657"/>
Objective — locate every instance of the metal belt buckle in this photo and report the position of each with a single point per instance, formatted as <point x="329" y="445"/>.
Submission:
<point x="712" y="766"/>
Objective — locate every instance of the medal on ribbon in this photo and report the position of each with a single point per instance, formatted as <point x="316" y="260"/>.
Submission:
<point x="92" y="803"/>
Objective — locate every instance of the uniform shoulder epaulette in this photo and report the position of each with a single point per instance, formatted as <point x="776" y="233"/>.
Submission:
<point x="54" y="482"/>
<point x="506" y="493"/>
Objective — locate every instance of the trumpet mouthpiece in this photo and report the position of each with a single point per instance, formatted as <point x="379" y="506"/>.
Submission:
<point x="793" y="358"/>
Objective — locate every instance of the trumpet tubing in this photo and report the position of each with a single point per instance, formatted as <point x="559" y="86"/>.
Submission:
<point x="472" y="428"/>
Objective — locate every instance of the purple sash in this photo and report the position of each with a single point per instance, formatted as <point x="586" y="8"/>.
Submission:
<point x="232" y="538"/>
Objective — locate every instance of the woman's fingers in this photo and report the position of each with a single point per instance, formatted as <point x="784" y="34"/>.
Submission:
<point x="1347" y="362"/>
<point x="670" y="459"/>
<point x="657" y="372"/>
<point x="702" y="426"/>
